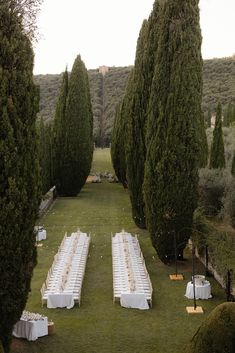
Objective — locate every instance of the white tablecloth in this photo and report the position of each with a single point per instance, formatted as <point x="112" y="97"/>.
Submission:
<point x="60" y="300"/>
<point x="41" y="235"/>
<point x="31" y="330"/>
<point x="201" y="292"/>
<point x="134" y="300"/>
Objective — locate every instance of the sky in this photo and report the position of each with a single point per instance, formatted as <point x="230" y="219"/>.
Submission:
<point x="105" y="32"/>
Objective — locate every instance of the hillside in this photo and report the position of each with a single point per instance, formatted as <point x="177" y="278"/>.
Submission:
<point x="108" y="90"/>
<point x="218" y="82"/>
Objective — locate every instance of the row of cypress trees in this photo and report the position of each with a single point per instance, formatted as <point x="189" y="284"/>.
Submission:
<point x="19" y="167"/>
<point x="64" y="153"/>
<point x="165" y="137"/>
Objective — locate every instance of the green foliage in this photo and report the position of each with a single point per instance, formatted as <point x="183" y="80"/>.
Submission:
<point x="218" y="82"/>
<point x="142" y="81"/>
<point x="135" y="139"/>
<point x="49" y="94"/>
<point x="217" y="332"/>
<point x="203" y="144"/>
<point x="45" y="136"/>
<point x="108" y="91"/>
<point x="233" y="165"/>
<point x="212" y="186"/>
<point x="59" y="134"/>
<point x="229" y="203"/>
<point x="119" y="134"/>
<point x="96" y="89"/>
<point x="219" y="242"/>
<point x="217" y="158"/>
<point x="77" y="133"/>
<point x="114" y="86"/>
<point x="170" y="184"/>
<point x="19" y="177"/>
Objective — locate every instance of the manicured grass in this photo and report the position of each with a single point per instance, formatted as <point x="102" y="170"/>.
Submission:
<point x="99" y="326"/>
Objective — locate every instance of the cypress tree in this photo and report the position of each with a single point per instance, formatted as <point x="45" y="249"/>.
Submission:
<point x="170" y="184"/>
<point x="45" y="155"/>
<point x="19" y="177"/>
<point x="59" y="140"/>
<point x="78" y="151"/>
<point x="142" y="80"/>
<point x="228" y="115"/>
<point x="118" y="148"/>
<point x="135" y="151"/>
<point x="119" y="133"/>
<point x="217" y="158"/>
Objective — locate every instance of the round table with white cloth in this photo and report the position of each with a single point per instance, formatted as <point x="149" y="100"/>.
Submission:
<point x="201" y="291"/>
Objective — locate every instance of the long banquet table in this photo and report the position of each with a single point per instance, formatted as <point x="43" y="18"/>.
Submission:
<point x="131" y="282"/>
<point x="63" y="285"/>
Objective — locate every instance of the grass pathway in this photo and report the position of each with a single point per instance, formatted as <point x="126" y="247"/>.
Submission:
<point x="99" y="326"/>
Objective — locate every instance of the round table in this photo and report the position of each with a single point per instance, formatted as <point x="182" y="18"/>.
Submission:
<point x="201" y="291"/>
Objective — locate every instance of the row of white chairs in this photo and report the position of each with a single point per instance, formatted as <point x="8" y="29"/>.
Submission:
<point x="129" y="270"/>
<point x="67" y="271"/>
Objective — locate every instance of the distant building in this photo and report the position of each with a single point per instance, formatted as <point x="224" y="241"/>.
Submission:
<point x="103" y="70"/>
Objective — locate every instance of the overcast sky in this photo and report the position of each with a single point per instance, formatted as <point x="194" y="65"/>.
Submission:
<point x="105" y="32"/>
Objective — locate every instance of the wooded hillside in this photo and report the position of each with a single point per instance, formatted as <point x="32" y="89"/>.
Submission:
<point x="108" y="90"/>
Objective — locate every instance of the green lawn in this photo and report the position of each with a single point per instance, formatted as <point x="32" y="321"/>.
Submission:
<point x="99" y="326"/>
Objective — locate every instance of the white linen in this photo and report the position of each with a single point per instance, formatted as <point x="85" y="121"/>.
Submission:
<point x="199" y="280"/>
<point x="201" y="291"/>
<point x="31" y="330"/>
<point x="134" y="300"/>
<point x="130" y="275"/>
<point x="62" y="287"/>
<point x="41" y="234"/>
<point x="60" y="300"/>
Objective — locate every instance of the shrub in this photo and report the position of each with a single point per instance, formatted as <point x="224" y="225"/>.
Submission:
<point x="229" y="203"/>
<point x="212" y="186"/>
<point x="217" y="332"/>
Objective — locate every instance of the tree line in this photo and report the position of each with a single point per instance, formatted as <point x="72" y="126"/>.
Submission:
<point x="33" y="155"/>
<point x="107" y="92"/>
<point x="159" y="141"/>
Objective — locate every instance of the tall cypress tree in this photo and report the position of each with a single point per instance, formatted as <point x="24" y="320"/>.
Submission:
<point x="142" y="80"/>
<point x="59" y="140"/>
<point x="119" y="133"/>
<point x="217" y="157"/>
<point x="118" y="147"/>
<point x="45" y="154"/>
<point x="19" y="168"/>
<point x="78" y="151"/>
<point x="135" y="151"/>
<point x="170" y="184"/>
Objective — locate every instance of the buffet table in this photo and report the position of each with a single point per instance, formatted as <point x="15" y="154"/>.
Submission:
<point x="31" y="329"/>
<point x="202" y="291"/>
